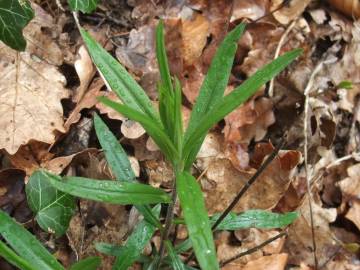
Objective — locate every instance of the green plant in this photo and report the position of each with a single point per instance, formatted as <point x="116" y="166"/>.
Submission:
<point x="180" y="149"/>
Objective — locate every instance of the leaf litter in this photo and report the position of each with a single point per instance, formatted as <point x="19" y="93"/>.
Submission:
<point x="42" y="131"/>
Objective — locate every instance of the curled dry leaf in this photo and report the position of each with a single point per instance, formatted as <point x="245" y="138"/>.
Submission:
<point x="31" y="91"/>
<point x="194" y="35"/>
<point x="85" y="70"/>
<point x="291" y="11"/>
<point x="223" y="182"/>
<point x="348" y="7"/>
<point x="88" y="101"/>
<point x="252" y="10"/>
<point x="131" y="129"/>
<point x="250" y="121"/>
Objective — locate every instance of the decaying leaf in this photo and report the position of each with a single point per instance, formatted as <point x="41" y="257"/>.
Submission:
<point x="223" y="182"/>
<point x="31" y="91"/>
<point x="298" y="244"/>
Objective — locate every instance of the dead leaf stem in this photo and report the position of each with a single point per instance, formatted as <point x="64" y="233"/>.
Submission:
<point x="308" y="173"/>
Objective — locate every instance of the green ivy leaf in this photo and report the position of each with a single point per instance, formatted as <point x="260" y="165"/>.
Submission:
<point x="86" y="6"/>
<point x="14" y="16"/>
<point x="52" y="207"/>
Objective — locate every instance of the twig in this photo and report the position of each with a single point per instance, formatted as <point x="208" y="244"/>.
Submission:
<point x="277" y="52"/>
<point x="252" y="250"/>
<point x="339" y="160"/>
<point x="247" y="185"/>
<point x="306" y="162"/>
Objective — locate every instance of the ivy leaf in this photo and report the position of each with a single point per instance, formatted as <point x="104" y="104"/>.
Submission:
<point x="86" y="6"/>
<point x="14" y="16"/>
<point x="52" y="207"/>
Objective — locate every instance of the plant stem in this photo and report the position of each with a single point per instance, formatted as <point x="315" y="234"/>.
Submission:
<point x="169" y="218"/>
<point x="252" y="250"/>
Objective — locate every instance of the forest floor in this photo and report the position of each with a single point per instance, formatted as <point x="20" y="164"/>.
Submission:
<point x="321" y="89"/>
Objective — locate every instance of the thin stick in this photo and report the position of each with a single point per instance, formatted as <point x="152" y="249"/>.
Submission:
<point x="247" y="185"/>
<point x="277" y="52"/>
<point x="252" y="250"/>
<point x="308" y="173"/>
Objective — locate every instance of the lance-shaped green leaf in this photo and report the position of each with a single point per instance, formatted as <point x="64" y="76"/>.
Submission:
<point x="260" y="219"/>
<point x="119" y="80"/>
<point x="162" y="58"/>
<point x="119" y="163"/>
<point x="214" y="84"/>
<point x="197" y="221"/>
<point x="89" y="263"/>
<point x="108" y="191"/>
<point x="11" y="257"/>
<point x="24" y="243"/>
<point x="155" y="130"/>
<point x="52" y="207"/>
<point x="115" y="155"/>
<point x="178" y="126"/>
<point x="230" y="102"/>
<point x="86" y="6"/>
<point x="136" y="243"/>
<point x="175" y="261"/>
<point x="14" y="16"/>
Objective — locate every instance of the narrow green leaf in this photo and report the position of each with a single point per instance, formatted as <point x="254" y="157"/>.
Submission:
<point x="260" y="219"/>
<point x="115" y="155"/>
<point x="214" y="84"/>
<point x="89" y="263"/>
<point x="14" y="16"/>
<point x="230" y="102"/>
<point x="11" y="257"/>
<point x="53" y="208"/>
<point x="109" y="249"/>
<point x="119" y="80"/>
<point x="152" y="128"/>
<point x="178" y="127"/>
<point x="183" y="246"/>
<point x="119" y="163"/>
<point x="166" y="109"/>
<point x="86" y="6"/>
<point x="162" y="58"/>
<point x="136" y="243"/>
<point x="26" y="244"/>
<point x="175" y="261"/>
<point x="197" y="221"/>
<point x="345" y="85"/>
<point x="108" y="191"/>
